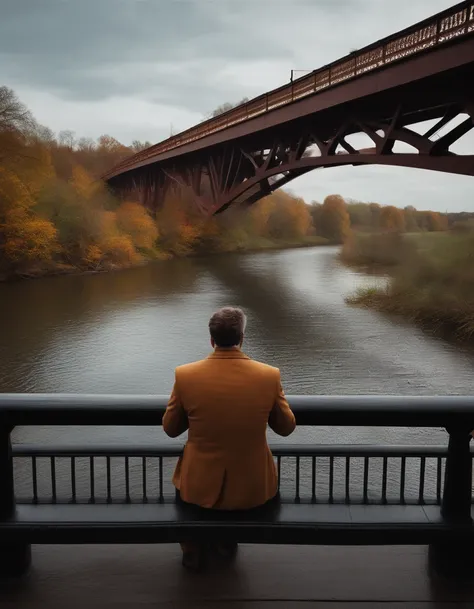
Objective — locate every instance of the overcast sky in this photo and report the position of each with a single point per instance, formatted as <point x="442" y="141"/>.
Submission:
<point x="136" y="69"/>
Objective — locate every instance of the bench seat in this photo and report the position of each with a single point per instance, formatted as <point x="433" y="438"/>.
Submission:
<point x="284" y="523"/>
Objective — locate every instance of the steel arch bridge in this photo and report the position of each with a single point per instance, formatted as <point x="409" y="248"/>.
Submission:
<point x="423" y="73"/>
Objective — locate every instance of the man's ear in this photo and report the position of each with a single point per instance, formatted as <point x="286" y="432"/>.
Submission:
<point x="241" y="340"/>
<point x="213" y="344"/>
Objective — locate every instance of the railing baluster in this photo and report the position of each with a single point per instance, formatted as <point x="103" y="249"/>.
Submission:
<point x="403" y="467"/>
<point x="313" y="479"/>
<point x="160" y="462"/>
<point x="297" y="493"/>
<point x="144" y="490"/>
<point x="109" y="480"/>
<point x="331" y="479"/>
<point x="384" y="480"/>
<point x="127" y="480"/>
<point x="348" y="479"/>
<point x="53" y="479"/>
<point x="92" y="479"/>
<point x="35" y="479"/>
<point x="439" y="466"/>
<point x="421" y="492"/>
<point x="73" y="479"/>
<point x="366" y="479"/>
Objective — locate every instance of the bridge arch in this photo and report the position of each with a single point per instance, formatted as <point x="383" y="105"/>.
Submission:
<point x="242" y="172"/>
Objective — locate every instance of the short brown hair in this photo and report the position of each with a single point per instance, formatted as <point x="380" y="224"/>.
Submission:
<point x="227" y="326"/>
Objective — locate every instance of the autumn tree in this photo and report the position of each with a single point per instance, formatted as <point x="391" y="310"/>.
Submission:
<point x="134" y="220"/>
<point x="411" y="219"/>
<point x="334" y="220"/>
<point x="432" y="221"/>
<point x="259" y="214"/>
<point x="289" y="217"/>
<point x="179" y="234"/>
<point x="360" y="215"/>
<point x="392" y="219"/>
<point x="109" y="152"/>
<point x="375" y="212"/>
<point x="27" y="240"/>
<point x="24" y="238"/>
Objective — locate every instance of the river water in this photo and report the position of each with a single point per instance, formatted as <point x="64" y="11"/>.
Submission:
<point x="125" y="332"/>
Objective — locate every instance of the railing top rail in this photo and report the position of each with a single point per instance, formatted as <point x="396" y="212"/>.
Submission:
<point x="375" y="410"/>
<point x="172" y="449"/>
<point x="284" y="93"/>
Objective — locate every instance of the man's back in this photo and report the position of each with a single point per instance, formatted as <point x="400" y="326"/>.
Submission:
<point x="227" y="400"/>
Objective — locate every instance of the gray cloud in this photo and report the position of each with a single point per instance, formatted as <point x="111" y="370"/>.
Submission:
<point x="136" y="68"/>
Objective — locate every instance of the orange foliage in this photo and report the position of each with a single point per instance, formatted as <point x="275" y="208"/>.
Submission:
<point x="134" y="220"/>
<point x="334" y="219"/>
<point x="13" y="192"/>
<point x="260" y="214"/>
<point x="119" y="250"/>
<point x="392" y="219"/>
<point x="432" y="221"/>
<point x="85" y="186"/>
<point x="27" y="238"/>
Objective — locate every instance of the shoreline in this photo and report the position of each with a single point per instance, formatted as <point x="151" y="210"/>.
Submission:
<point x="452" y="327"/>
<point x="163" y="257"/>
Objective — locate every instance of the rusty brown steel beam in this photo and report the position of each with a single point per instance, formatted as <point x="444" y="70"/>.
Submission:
<point x="247" y="169"/>
<point x="422" y="38"/>
<point x="433" y="70"/>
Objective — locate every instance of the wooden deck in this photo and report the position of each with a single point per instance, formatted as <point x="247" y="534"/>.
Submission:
<point x="66" y="577"/>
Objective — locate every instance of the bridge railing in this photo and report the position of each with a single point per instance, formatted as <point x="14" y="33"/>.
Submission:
<point x="452" y="23"/>
<point x="307" y="473"/>
<point x="124" y="473"/>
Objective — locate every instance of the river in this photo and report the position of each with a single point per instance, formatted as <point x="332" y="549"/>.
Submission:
<point x="125" y="332"/>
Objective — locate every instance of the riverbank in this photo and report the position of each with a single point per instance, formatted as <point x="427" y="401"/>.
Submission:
<point x="252" y="246"/>
<point x="432" y="279"/>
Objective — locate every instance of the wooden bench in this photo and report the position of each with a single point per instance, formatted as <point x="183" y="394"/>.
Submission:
<point x="285" y="523"/>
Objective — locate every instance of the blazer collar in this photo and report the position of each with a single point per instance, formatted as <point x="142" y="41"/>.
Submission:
<point x="228" y="353"/>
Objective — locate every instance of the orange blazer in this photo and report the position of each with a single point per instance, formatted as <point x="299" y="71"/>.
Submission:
<point x="226" y="401"/>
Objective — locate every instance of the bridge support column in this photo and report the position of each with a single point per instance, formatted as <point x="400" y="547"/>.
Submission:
<point x="452" y="557"/>
<point x="15" y="557"/>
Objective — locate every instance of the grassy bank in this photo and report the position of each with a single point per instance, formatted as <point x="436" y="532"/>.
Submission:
<point x="432" y="279"/>
<point x="260" y="243"/>
<point x="388" y="251"/>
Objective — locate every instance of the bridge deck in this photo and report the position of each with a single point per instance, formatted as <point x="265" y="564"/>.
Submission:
<point x="262" y="576"/>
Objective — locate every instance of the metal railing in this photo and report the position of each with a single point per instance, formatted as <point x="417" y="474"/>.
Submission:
<point x="450" y="24"/>
<point x="307" y="473"/>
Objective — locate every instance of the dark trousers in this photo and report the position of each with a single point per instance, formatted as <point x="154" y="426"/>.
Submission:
<point x="194" y="546"/>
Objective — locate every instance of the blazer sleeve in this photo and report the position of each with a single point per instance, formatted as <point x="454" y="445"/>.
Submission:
<point x="281" y="419"/>
<point x="175" y="419"/>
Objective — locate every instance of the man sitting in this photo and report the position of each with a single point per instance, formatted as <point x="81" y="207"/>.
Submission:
<point x="226" y="401"/>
